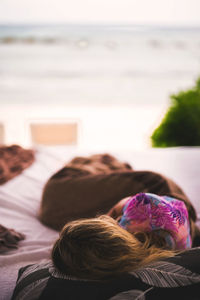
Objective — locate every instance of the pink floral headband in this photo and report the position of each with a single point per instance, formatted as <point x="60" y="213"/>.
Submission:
<point x="147" y="212"/>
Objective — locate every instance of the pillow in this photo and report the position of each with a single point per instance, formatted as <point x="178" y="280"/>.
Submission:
<point x="166" y="279"/>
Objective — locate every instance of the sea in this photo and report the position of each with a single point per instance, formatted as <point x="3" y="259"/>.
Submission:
<point x="114" y="80"/>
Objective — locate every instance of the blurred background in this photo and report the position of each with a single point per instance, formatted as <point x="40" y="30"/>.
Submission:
<point x="95" y="74"/>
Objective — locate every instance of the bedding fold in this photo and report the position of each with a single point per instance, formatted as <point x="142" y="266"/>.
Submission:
<point x="9" y="239"/>
<point x="13" y="160"/>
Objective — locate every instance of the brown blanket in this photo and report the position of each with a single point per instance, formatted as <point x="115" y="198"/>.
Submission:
<point x="90" y="186"/>
<point x="9" y="239"/>
<point x="13" y="160"/>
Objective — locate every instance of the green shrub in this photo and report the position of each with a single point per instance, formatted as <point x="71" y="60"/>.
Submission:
<point x="181" y="124"/>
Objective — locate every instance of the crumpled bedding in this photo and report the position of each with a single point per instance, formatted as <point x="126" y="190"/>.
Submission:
<point x="20" y="198"/>
<point x="13" y="160"/>
<point x="9" y="239"/>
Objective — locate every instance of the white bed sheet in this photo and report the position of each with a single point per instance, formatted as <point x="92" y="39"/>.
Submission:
<point x="20" y="198"/>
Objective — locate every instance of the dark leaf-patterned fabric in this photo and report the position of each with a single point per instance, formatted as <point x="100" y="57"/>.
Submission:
<point x="165" y="274"/>
<point x="173" y="278"/>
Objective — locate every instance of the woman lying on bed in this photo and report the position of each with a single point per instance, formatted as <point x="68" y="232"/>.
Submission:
<point x="88" y="186"/>
<point x="150" y="228"/>
<point x="143" y="252"/>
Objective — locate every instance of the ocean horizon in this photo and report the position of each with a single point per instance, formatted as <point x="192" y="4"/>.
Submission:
<point x="59" y="31"/>
<point x="82" y="71"/>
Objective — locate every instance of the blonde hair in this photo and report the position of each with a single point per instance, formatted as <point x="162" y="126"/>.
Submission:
<point x="99" y="248"/>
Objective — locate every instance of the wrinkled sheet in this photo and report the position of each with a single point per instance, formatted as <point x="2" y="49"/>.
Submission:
<point x="20" y="198"/>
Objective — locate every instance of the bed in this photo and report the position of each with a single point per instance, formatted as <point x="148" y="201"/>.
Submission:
<point x="20" y="198"/>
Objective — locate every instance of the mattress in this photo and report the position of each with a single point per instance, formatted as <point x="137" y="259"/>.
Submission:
<point x="20" y="198"/>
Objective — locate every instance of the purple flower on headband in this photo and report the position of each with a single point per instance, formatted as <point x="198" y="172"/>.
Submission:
<point x="178" y="216"/>
<point x="142" y="197"/>
<point x="137" y="208"/>
<point x="177" y="209"/>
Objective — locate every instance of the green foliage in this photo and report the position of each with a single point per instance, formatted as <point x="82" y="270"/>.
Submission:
<point x="181" y="124"/>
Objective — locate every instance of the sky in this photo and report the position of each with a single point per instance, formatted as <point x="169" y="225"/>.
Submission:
<point x="168" y="12"/>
